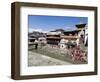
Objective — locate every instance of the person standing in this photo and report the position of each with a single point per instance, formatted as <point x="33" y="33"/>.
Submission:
<point x="36" y="44"/>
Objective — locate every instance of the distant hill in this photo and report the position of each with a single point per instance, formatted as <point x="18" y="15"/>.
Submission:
<point x="58" y="30"/>
<point x="36" y="34"/>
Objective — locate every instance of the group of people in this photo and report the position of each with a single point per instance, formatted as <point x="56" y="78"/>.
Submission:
<point x="78" y="54"/>
<point x="76" y="51"/>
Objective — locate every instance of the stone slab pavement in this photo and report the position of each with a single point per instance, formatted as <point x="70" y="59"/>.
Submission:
<point x="36" y="59"/>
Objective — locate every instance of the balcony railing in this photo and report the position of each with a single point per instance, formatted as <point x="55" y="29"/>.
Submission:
<point x="70" y="37"/>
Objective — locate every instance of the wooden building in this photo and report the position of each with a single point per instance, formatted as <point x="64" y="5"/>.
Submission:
<point x="61" y="38"/>
<point x="53" y="38"/>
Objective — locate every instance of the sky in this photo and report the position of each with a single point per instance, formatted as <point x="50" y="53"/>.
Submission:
<point x="50" y="23"/>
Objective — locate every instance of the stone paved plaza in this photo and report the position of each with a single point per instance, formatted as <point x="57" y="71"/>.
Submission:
<point x="36" y="59"/>
<point x="47" y="55"/>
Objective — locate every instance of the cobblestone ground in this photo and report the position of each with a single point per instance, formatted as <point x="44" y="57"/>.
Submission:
<point x="36" y="59"/>
<point x="47" y="55"/>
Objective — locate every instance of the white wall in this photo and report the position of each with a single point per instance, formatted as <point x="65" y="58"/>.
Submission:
<point x="5" y="38"/>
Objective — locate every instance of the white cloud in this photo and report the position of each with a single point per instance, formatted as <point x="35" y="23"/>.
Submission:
<point x="39" y="30"/>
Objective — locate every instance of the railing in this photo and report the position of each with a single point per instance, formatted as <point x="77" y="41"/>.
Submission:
<point x="76" y="37"/>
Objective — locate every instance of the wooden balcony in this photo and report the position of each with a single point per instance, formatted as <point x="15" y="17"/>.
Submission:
<point x="52" y="37"/>
<point x="70" y="37"/>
